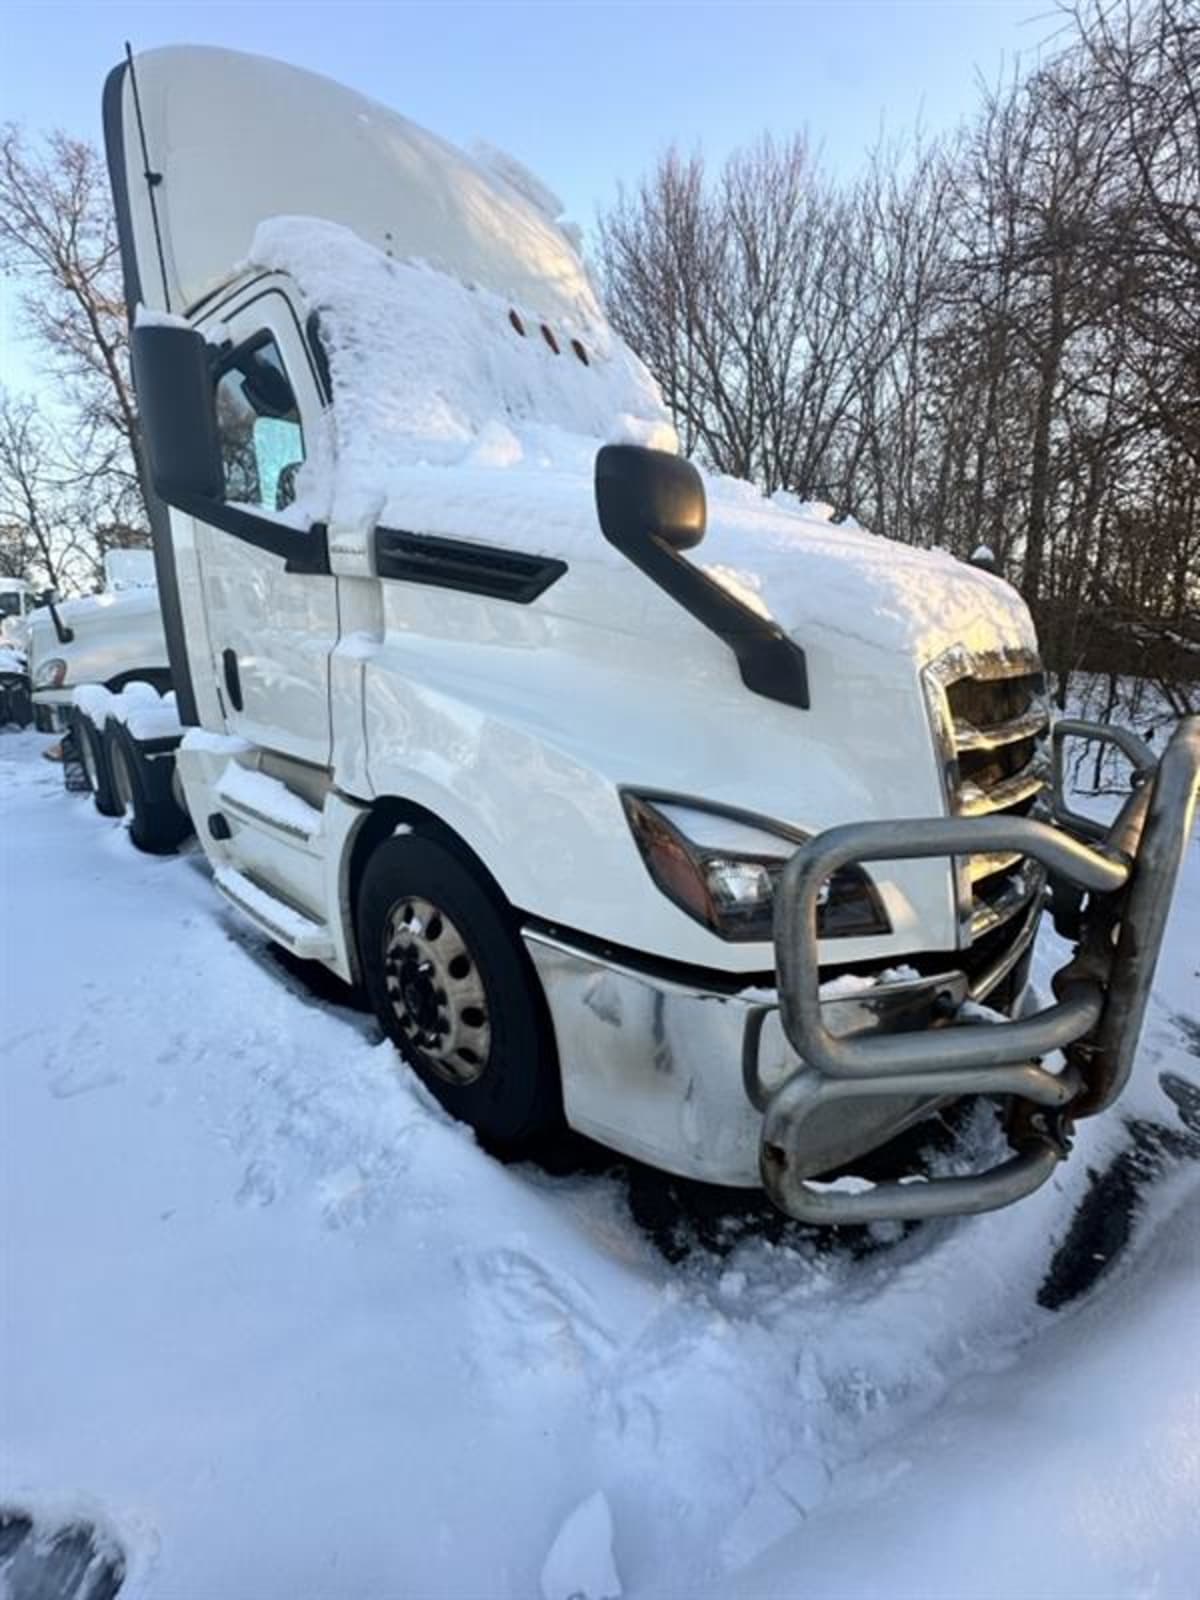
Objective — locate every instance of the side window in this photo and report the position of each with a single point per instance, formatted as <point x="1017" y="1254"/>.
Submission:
<point x="262" y="442"/>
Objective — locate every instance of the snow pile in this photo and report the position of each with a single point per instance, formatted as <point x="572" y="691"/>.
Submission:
<point x="450" y="421"/>
<point x="429" y="372"/>
<point x="330" y="1347"/>
<point x="216" y="744"/>
<point x="266" y="797"/>
<point x="139" y="706"/>
<point x="580" y="1563"/>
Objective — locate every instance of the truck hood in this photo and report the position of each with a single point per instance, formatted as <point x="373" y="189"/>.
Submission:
<point x="112" y="633"/>
<point x="100" y="610"/>
<point x="813" y="577"/>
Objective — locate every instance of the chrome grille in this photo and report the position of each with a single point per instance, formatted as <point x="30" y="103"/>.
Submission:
<point x="993" y="720"/>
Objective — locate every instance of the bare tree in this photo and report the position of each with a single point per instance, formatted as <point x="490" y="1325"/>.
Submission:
<point x="35" y="517"/>
<point x="58" y="238"/>
<point x="746" y="295"/>
<point x="993" y="340"/>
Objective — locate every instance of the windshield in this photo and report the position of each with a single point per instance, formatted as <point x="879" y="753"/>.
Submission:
<point x="10" y="603"/>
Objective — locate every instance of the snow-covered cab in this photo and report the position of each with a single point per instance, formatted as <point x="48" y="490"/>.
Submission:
<point x="505" y="710"/>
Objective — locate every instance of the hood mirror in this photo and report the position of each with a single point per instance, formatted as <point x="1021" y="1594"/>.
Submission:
<point x="652" y="508"/>
<point x="648" y="494"/>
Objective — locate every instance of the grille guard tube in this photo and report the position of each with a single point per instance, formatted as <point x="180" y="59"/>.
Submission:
<point x="1129" y="878"/>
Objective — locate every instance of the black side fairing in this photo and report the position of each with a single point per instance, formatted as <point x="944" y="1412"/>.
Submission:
<point x="156" y="510"/>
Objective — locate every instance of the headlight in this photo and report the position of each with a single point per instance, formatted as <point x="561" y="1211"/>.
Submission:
<point x="51" y="674"/>
<point x="721" y="867"/>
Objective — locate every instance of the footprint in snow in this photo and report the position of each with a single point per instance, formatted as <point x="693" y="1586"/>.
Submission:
<point x="72" y="1082"/>
<point x="537" y="1316"/>
<point x="258" y="1185"/>
<point x="777" y="1506"/>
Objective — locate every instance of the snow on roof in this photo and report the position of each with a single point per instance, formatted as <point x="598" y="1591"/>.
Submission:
<point x="458" y="413"/>
<point x="238" y="138"/>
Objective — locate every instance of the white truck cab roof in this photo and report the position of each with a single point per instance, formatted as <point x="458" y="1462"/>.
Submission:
<point x="239" y="138"/>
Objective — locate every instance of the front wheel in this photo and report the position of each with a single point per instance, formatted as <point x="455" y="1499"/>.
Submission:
<point x="455" y="991"/>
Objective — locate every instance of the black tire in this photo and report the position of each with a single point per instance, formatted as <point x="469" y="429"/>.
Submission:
<point x="92" y="747"/>
<point x="16" y="703"/>
<point x="515" y="1100"/>
<point x="142" y="791"/>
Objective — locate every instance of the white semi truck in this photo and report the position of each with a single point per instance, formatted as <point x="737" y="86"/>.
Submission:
<point x="629" y="797"/>
<point x="112" y="638"/>
<point x="100" y="675"/>
<point x="17" y="601"/>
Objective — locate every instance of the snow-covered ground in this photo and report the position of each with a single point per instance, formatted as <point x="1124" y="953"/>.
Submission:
<point x="280" y="1329"/>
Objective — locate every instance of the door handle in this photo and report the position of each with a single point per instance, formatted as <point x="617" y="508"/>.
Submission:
<point x="233" y="681"/>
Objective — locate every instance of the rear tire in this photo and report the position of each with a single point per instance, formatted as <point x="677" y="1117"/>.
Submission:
<point x="142" y="790"/>
<point x="455" y="991"/>
<point x="16" y="703"/>
<point x="91" y="744"/>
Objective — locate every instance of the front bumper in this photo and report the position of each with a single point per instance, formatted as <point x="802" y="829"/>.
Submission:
<point x="650" y="1064"/>
<point x="678" y="1074"/>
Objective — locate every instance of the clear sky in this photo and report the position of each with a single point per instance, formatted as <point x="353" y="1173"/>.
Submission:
<point x="584" y="94"/>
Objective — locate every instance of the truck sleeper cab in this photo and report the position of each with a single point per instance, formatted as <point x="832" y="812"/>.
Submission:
<point x="501" y="710"/>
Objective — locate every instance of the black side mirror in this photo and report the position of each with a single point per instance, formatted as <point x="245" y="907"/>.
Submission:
<point x="652" y="507"/>
<point x="648" y="494"/>
<point x="49" y="599"/>
<point x="177" y="412"/>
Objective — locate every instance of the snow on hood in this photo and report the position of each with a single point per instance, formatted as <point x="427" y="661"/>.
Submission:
<point x="450" y="420"/>
<point x="87" y="607"/>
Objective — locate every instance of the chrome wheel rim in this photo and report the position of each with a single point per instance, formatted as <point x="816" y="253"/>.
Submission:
<point x="436" y="991"/>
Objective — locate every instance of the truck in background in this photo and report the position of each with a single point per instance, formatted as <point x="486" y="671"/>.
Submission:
<point x="101" y="677"/>
<point x="598" y="777"/>
<point x="111" y="638"/>
<point x="17" y="601"/>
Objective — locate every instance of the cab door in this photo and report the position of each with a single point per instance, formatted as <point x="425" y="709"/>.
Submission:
<point x="272" y="624"/>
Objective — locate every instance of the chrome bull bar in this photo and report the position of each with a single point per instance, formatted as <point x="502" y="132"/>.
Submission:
<point x="1111" y="889"/>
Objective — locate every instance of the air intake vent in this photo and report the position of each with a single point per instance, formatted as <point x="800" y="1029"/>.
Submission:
<point x="457" y="564"/>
